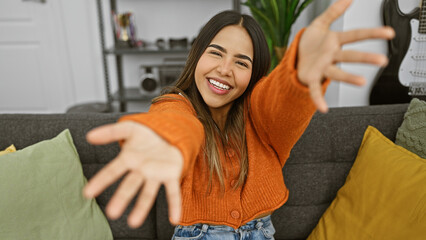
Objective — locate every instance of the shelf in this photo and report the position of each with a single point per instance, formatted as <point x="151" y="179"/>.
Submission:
<point x="131" y="94"/>
<point x="145" y="50"/>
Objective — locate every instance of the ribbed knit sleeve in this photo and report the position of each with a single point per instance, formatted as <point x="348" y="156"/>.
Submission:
<point x="174" y="119"/>
<point x="280" y="106"/>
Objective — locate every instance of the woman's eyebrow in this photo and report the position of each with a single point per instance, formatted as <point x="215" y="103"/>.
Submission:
<point x="220" y="48"/>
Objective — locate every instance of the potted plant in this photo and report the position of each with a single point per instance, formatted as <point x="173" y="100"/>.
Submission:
<point x="276" y="18"/>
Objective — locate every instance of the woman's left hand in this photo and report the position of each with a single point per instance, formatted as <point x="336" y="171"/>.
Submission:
<point x="320" y="49"/>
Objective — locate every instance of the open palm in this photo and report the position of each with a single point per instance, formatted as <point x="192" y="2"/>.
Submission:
<point x="320" y="49"/>
<point x="147" y="161"/>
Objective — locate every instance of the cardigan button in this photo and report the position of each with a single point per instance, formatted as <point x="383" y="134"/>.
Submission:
<point x="235" y="214"/>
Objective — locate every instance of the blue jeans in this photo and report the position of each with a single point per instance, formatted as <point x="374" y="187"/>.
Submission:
<point x="257" y="229"/>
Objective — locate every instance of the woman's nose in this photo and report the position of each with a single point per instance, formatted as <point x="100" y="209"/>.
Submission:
<point x="225" y="67"/>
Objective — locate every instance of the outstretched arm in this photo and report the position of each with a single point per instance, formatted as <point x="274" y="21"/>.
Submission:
<point x="157" y="149"/>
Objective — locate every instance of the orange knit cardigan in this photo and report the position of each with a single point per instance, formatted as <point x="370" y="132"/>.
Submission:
<point x="279" y="111"/>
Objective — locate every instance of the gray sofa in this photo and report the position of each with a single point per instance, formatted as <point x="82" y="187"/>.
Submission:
<point x="317" y="168"/>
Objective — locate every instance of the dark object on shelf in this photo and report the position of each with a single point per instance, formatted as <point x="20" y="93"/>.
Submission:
<point x="160" y="43"/>
<point x="169" y="74"/>
<point x="171" y="70"/>
<point x="123" y="44"/>
<point x="178" y="42"/>
<point x="155" y="77"/>
<point x="95" y="107"/>
<point x="149" y="83"/>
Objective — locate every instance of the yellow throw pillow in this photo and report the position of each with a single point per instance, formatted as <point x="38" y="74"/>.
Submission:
<point x="384" y="196"/>
<point x="10" y="149"/>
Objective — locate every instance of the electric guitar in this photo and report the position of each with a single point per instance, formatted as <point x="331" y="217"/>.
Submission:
<point x="405" y="75"/>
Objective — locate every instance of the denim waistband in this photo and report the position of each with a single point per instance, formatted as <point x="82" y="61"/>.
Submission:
<point x="252" y="225"/>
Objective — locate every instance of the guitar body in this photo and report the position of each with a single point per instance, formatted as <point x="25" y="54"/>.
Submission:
<point x="387" y="88"/>
<point x="413" y="67"/>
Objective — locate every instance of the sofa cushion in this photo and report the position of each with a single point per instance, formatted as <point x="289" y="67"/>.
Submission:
<point x="412" y="133"/>
<point x="41" y="194"/>
<point x="384" y="196"/>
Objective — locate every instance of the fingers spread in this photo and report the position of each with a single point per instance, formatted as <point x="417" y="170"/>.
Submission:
<point x="363" y="34"/>
<point x="338" y="74"/>
<point x="144" y="203"/>
<point x="174" y="200"/>
<point x="124" y="194"/>
<point x="333" y="12"/>
<point x="110" y="133"/>
<point x="105" y="177"/>
<point x="361" y="57"/>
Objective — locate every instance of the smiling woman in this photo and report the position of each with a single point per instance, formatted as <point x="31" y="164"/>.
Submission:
<point x="219" y="138"/>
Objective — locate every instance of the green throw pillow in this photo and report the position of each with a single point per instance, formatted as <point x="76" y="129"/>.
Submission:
<point x="41" y="194"/>
<point x="412" y="133"/>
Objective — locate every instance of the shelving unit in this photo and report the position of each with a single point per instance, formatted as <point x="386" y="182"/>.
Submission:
<point x="146" y="50"/>
<point x="125" y="94"/>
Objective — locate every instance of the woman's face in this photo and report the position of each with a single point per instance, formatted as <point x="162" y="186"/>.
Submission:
<point x="223" y="71"/>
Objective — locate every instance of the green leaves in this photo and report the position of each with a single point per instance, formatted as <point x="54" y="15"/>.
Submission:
<point x="276" y="18"/>
<point x="274" y="6"/>
<point x="302" y="6"/>
<point x="263" y="19"/>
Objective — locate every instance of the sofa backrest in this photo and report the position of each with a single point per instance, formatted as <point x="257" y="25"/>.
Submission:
<point x="316" y="169"/>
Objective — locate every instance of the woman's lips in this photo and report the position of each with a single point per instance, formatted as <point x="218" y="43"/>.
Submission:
<point x="217" y="90"/>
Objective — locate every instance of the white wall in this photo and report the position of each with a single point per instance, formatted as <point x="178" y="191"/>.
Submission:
<point x="407" y="6"/>
<point x="81" y="35"/>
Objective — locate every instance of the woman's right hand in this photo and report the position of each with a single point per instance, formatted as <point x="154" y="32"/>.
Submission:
<point x="147" y="161"/>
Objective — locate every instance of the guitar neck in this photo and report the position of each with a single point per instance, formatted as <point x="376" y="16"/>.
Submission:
<point x="422" y="17"/>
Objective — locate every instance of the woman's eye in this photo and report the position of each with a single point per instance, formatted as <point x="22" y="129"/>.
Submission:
<point x="242" y="64"/>
<point x="216" y="53"/>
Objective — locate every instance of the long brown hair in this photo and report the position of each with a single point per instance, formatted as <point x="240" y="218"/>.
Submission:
<point x="233" y="135"/>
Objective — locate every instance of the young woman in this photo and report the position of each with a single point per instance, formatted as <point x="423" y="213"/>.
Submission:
<point x="220" y="137"/>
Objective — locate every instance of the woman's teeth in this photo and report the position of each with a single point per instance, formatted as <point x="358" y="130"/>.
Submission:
<point x="219" y="85"/>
